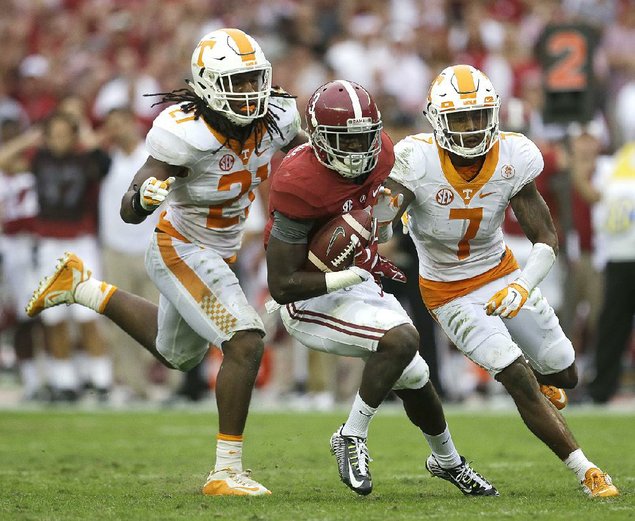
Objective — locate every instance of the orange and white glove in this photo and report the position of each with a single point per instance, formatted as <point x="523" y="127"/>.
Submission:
<point x="153" y="192"/>
<point x="507" y="302"/>
<point x="387" y="206"/>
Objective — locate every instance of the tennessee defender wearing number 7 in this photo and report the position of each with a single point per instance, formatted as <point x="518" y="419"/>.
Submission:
<point x="208" y="153"/>
<point x="456" y="184"/>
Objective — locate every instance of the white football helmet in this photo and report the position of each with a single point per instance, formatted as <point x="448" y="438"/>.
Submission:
<point x="217" y="59"/>
<point x="463" y="111"/>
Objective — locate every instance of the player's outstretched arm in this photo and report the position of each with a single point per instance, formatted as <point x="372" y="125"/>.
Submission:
<point x="534" y="217"/>
<point x="148" y="189"/>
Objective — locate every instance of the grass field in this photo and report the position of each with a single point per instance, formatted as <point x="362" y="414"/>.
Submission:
<point x="72" y="465"/>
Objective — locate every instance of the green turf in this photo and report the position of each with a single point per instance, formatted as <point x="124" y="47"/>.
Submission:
<point x="70" y="465"/>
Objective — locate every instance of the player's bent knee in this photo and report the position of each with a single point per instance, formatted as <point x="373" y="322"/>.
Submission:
<point x="558" y="358"/>
<point x="519" y="381"/>
<point x="245" y="347"/>
<point x="415" y="375"/>
<point x="401" y="341"/>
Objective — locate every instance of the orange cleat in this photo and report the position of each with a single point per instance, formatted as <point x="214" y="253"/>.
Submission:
<point x="598" y="484"/>
<point x="228" y="482"/>
<point x="59" y="288"/>
<point x="555" y="395"/>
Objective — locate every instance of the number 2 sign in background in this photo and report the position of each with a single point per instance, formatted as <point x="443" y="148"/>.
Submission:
<point x="566" y="55"/>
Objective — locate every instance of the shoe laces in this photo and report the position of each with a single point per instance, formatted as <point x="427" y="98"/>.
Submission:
<point x="599" y="480"/>
<point x="466" y="474"/>
<point x="358" y="454"/>
<point x="244" y="478"/>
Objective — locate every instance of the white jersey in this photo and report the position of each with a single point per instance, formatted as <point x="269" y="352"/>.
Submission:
<point x="617" y="211"/>
<point x="209" y="206"/>
<point x="456" y="224"/>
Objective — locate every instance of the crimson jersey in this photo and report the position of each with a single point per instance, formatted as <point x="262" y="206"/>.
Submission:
<point x="303" y="188"/>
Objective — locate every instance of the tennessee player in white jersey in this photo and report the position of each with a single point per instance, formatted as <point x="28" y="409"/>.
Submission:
<point x="456" y="184"/>
<point x="208" y="153"/>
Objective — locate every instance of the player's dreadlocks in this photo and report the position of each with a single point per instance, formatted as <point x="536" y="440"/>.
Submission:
<point x="193" y="103"/>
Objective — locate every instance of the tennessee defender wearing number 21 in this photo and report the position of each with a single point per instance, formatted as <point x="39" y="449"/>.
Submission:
<point x="457" y="183"/>
<point x="209" y="150"/>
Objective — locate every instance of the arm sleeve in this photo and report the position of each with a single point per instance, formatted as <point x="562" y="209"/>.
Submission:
<point x="290" y="230"/>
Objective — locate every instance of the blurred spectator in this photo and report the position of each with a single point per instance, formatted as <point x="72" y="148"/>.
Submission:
<point x="618" y="308"/>
<point x="67" y="184"/>
<point x="583" y="285"/>
<point x="18" y="208"/>
<point x="10" y="110"/>
<point x="34" y="87"/>
<point x="124" y="245"/>
<point x="127" y="89"/>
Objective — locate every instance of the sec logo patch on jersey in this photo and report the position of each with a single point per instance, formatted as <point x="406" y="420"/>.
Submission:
<point x="445" y="196"/>
<point x="226" y="162"/>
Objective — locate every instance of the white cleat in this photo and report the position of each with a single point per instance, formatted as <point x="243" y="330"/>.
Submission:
<point x="228" y="482"/>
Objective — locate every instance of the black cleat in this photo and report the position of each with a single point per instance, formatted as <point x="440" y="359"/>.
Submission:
<point x="352" y="458"/>
<point x="464" y="477"/>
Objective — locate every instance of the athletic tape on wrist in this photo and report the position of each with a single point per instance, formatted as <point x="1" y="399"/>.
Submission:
<point x="341" y="279"/>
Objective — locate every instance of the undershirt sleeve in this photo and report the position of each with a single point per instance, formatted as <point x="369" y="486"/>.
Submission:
<point x="291" y="230"/>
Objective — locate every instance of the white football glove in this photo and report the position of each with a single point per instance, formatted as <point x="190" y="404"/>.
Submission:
<point x="387" y="206"/>
<point x="153" y="192"/>
<point x="508" y="301"/>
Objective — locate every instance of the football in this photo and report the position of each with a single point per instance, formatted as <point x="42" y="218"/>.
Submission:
<point x="331" y="248"/>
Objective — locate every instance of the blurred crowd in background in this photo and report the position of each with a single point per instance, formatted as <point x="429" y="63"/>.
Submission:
<point x="90" y="64"/>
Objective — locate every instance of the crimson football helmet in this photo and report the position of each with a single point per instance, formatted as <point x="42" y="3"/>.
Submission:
<point x="218" y="60"/>
<point x="463" y="111"/>
<point x="344" y="127"/>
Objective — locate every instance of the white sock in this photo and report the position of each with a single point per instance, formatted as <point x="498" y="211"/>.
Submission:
<point x="578" y="463"/>
<point x="81" y="363"/>
<point x="359" y="418"/>
<point x="29" y="376"/>
<point x="62" y="374"/>
<point x="229" y="452"/>
<point x="94" y="294"/>
<point x="443" y="449"/>
<point x="100" y="371"/>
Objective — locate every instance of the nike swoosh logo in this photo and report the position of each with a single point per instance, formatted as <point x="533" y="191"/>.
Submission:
<point x="367" y="415"/>
<point x="248" y="489"/>
<point x="481" y="196"/>
<point x="260" y="152"/>
<point x="376" y="190"/>
<point x="444" y="442"/>
<point x="338" y="231"/>
<point x="55" y="297"/>
<point x="354" y="482"/>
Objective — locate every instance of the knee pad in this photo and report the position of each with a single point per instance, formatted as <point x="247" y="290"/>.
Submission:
<point x="557" y="356"/>
<point x="415" y="375"/>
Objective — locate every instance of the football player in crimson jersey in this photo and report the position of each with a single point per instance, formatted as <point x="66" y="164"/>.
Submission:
<point x="456" y="184"/>
<point x="208" y="152"/>
<point x="347" y="313"/>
